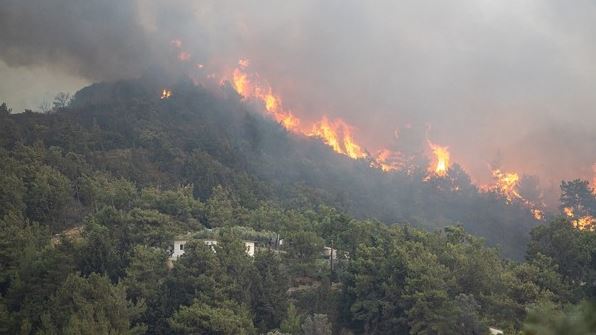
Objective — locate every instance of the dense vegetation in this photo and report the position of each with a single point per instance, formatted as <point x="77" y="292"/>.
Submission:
<point x="93" y="194"/>
<point x="203" y="140"/>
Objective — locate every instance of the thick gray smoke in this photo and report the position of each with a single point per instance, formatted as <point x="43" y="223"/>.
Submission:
<point x="513" y="79"/>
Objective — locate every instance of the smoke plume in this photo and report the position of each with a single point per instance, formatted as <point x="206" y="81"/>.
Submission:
<point x="508" y="78"/>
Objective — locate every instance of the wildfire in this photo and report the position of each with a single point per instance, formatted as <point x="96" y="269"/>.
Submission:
<point x="340" y="135"/>
<point x="388" y="160"/>
<point x="506" y="184"/>
<point x="165" y="94"/>
<point x="253" y="88"/>
<point x="586" y="222"/>
<point x="336" y="133"/>
<point x="440" y="162"/>
<point x="537" y="214"/>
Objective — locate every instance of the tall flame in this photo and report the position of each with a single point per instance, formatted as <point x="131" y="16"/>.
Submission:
<point x="440" y="161"/>
<point x="338" y="135"/>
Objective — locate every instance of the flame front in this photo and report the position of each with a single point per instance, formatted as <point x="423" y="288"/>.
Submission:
<point x="253" y="88"/>
<point x="340" y="135"/>
<point x="336" y="133"/>
<point x="440" y="161"/>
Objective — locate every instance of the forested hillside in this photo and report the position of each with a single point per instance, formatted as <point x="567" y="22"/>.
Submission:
<point x="202" y="140"/>
<point x="94" y="193"/>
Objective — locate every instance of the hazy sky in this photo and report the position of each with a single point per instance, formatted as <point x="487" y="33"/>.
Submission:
<point x="495" y="80"/>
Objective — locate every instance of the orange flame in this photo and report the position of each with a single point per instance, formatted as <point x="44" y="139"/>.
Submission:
<point x="506" y="184"/>
<point x="336" y="133"/>
<point x="440" y="162"/>
<point x="586" y="222"/>
<point x="249" y="88"/>
<point x="165" y="94"/>
<point x="388" y="160"/>
<point x="538" y="214"/>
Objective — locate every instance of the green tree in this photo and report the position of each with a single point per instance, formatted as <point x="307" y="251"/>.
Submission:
<point x="269" y="297"/>
<point x="316" y="324"/>
<point x="579" y="196"/>
<point x="91" y="306"/>
<point x="200" y="318"/>
<point x="548" y="319"/>
<point x="145" y="273"/>
<point x="220" y="208"/>
<point x="48" y="193"/>
<point x="291" y="324"/>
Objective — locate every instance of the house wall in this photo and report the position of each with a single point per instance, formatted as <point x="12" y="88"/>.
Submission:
<point x="179" y="248"/>
<point x="249" y="247"/>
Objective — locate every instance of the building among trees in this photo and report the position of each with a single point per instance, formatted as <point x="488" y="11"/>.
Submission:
<point x="181" y="241"/>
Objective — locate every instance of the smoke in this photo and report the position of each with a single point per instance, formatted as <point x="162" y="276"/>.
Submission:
<point x="510" y="78"/>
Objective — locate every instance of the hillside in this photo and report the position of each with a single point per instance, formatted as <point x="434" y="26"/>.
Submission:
<point x="95" y="195"/>
<point x="206" y="139"/>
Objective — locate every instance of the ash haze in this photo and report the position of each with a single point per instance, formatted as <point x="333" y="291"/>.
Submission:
<point x="508" y="83"/>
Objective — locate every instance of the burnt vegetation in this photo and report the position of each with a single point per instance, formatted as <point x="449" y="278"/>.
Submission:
<point x="93" y="193"/>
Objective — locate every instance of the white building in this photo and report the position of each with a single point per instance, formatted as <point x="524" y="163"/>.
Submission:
<point x="181" y="242"/>
<point x="329" y="252"/>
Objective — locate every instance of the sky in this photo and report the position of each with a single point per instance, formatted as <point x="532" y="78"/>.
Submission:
<point x="504" y="83"/>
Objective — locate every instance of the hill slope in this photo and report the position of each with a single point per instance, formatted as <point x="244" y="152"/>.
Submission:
<point x="205" y="139"/>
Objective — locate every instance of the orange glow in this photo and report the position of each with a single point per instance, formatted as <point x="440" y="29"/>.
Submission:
<point x="335" y="133"/>
<point x="538" y="215"/>
<point x="586" y="222"/>
<point x="388" y="160"/>
<point x="338" y="135"/>
<point x="440" y="160"/>
<point x="506" y="184"/>
<point x="165" y="94"/>
<point x="251" y="88"/>
<point x="594" y="178"/>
